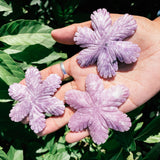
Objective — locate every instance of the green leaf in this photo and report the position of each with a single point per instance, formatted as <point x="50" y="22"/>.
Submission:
<point x="153" y="128"/>
<point x="153" y="139"/>
<point x="10" y="63"/>
<point x="3" y="155"/>
<point x="130" y="157"/>
<point x="126" y="140"/>
<point x="4" y="6"/>
<point x="154" y="153"/>
<point x="42" y="55"/>
<point x="118" y="155"/>
<point x="9" y="71"/>
<point x="34" y="2"/>
<point x="7" y="77"/>
<point x="52" y="57"/>
<point x="15" y="154"/>
<point x="4" y="97"/>
<point x="26" y="32"/>
<point x="62" y="155"/>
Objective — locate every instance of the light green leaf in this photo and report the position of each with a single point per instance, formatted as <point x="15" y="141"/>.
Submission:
<point x="7" y="77"/>
<point x="15" y="49"/>
<point x="153" y="139"/>
<point x="34" y="2"/>
<point x="26" y="32"/>
<point x="130" y="157"/>
<point x="62" y="155"/>
<point x="3" y="155"/>
<point x="4" y="6"/>
<point x="15" y="154"/>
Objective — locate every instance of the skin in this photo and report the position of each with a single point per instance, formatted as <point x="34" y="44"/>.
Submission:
<point x="142" y="78"/>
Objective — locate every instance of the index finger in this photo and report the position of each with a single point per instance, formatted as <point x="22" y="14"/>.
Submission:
<point x="65" y="35"/>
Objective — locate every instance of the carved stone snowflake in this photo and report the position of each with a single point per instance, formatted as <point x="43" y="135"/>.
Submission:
<point x="105" y="44"/>
<point x="97" y="109"/>
<point x="35" y="99"/>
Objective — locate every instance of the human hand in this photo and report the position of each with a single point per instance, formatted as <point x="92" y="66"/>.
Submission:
<point x="142" y="78"/>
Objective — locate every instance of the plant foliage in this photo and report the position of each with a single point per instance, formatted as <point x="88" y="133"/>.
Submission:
<point x="25" y="40"/>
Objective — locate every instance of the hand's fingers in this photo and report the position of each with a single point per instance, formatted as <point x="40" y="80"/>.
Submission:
<point x="60" y="94"/>
<point x="55" y="123"/>
<point x="65" y="35"/>
<point x="72" y="137"/>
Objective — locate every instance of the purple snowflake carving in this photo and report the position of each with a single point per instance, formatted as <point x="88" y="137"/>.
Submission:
<point x="97" y="109"/>
<point x="35" y="99"/>
<point x="105" y="44"/>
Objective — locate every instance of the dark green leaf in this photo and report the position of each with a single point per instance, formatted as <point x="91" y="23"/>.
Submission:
<point x="154" y="153"/>
<point x="118" y="155"/>
<point x="52" y="57"/>
<point x="151" y="129"/>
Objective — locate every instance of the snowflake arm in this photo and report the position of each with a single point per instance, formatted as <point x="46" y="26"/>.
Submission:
<point x="107" y="65"/>
<point x="51" y="105"/>
<point x="51" y="84"/>
<point x="88" y="56"/>
<point x="17" y="91"/>
<point x="20" y="111"/>
<point x="94" y="87"/>
<point x="98" y="131"/>
<point x="101" y="21"/>
<point x="77" y="99"/>
<point x="84" y="37"/>
<point x="79" y="121"/>
<point x="33" y="79"/>
<point x="124" y="27"/>
<point x="125" y="51"/>
<point x="114" y="97"/>
<point x="117" y="120"/>
<point x="37" y="120"/>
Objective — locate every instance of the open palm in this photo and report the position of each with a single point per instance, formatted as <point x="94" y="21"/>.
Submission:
<point x="142" y="78"/>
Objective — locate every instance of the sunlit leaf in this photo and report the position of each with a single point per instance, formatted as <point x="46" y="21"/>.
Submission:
<point x="34" y="2"/>
<point x="153" y="139"/>
<point x="4" y="6"/>
<point x="3" y="155"/>
<point x="26" y="32"/>
<point x="15" y="154"/>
